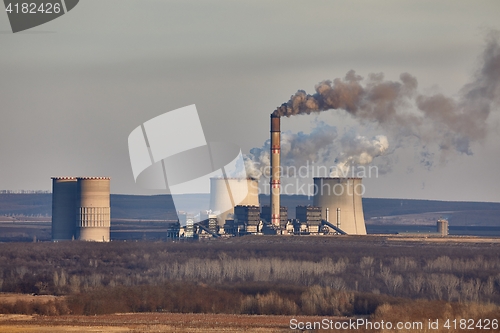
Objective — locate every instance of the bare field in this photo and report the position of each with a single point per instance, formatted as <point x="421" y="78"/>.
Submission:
<point x="149" y="322"/>
<point x="10" y="298"/>
<point x="450" y="240"/>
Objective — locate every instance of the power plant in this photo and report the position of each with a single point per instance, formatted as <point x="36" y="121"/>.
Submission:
<point x="337" y="204"/>
<point x="81" y="208"/>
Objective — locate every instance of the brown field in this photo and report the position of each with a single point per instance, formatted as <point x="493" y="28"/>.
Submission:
<point x="258" y="282"/>
<point x="149" y="322"/>
<point x="449" y="239"/>
<point x="11" y="298"/>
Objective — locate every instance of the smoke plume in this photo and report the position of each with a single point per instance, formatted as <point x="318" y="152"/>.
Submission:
<point x="398" y="108"/>
<point x="357" y="150"/>
<point x="434" y="125"/>
<point x="296" y="149"/>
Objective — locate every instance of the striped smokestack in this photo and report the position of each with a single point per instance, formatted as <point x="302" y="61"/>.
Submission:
<point x="275" y="169"/>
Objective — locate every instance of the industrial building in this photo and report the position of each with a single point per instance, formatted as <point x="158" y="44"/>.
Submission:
<point x="248" y="216"/>
<point x="307" y="220"/>
<point x="81" y="208"/>
<point x="282" y="216"/>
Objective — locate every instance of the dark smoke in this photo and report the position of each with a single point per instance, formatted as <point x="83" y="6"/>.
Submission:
<point x="398" y="107"/>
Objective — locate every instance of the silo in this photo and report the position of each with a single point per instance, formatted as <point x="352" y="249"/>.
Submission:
<point x="342" y="196"/>
<point x="226" y="193"/>
<point x="442" y="227"/>
<point x="92" y="209"/>
<point x="63" y="208"/>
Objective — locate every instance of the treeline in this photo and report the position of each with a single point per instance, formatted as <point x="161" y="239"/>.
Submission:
<point x="258" y="275"/>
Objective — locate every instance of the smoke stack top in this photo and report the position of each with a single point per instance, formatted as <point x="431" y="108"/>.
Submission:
<point x="275" y="123"/>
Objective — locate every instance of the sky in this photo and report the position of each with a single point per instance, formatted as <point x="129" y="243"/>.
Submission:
<point x="73" y="89"/>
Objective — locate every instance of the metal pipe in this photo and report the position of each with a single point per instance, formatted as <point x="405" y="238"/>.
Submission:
<point x="338" y="218"/>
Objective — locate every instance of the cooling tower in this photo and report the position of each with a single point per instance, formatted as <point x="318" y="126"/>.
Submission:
<point x="226" y="193"/>
<point x="63" y="208"/>
<point x="92" y="209"/>
<point x="342" y="197"/>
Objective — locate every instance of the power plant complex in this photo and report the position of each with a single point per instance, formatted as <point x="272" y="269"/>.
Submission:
<point x="81" y="209"/>
<point x="235" y="209"/>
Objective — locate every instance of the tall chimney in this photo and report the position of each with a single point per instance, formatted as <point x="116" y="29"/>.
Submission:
<point x="275" y="170"/>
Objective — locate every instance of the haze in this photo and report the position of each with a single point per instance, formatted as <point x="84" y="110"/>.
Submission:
<point x="73" y="89"/>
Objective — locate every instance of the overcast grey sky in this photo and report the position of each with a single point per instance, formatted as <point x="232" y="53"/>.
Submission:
<point x="73" y="89"/>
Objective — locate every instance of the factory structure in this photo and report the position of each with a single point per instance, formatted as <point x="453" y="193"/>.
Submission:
<point x="80" y="209"/>
<point x="235" y="209"/>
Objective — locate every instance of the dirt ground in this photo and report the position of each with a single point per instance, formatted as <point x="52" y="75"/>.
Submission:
<point x="149" y="322"/>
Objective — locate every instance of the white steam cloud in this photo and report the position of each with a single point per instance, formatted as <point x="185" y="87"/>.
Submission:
<point x="296" y="149"/>
<point x="358" y="150"/>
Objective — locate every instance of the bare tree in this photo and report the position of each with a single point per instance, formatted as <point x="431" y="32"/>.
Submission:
<point x="404" y="263"/>
<point x="338" y="283"/>
<point x="386" y="276"/>
<point x="489" y="286"/>
<point x="470" y="289"/>
<point x="450" y="283"/>
<point x="395" y="282"/>
<point x="366" y="265"/>
<point x="74" y="283"/>
<point x="416" y="282"/>
<point x="435" y="284"/>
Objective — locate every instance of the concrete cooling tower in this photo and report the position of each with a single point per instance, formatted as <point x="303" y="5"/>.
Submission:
<point x="63" y="208"/>
<point x="80" y="208"/>
<point x="226" y="193"/>
<point x="93" y="209"/>
<point x="342" y="198"/>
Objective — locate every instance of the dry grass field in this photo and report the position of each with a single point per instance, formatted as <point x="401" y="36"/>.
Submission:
<point x="246" y="284"/>
<point x="11" y="298"/>
<point x="148" y="322"/>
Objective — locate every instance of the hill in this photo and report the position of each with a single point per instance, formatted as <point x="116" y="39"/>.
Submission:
<point x="161" y="207"/>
